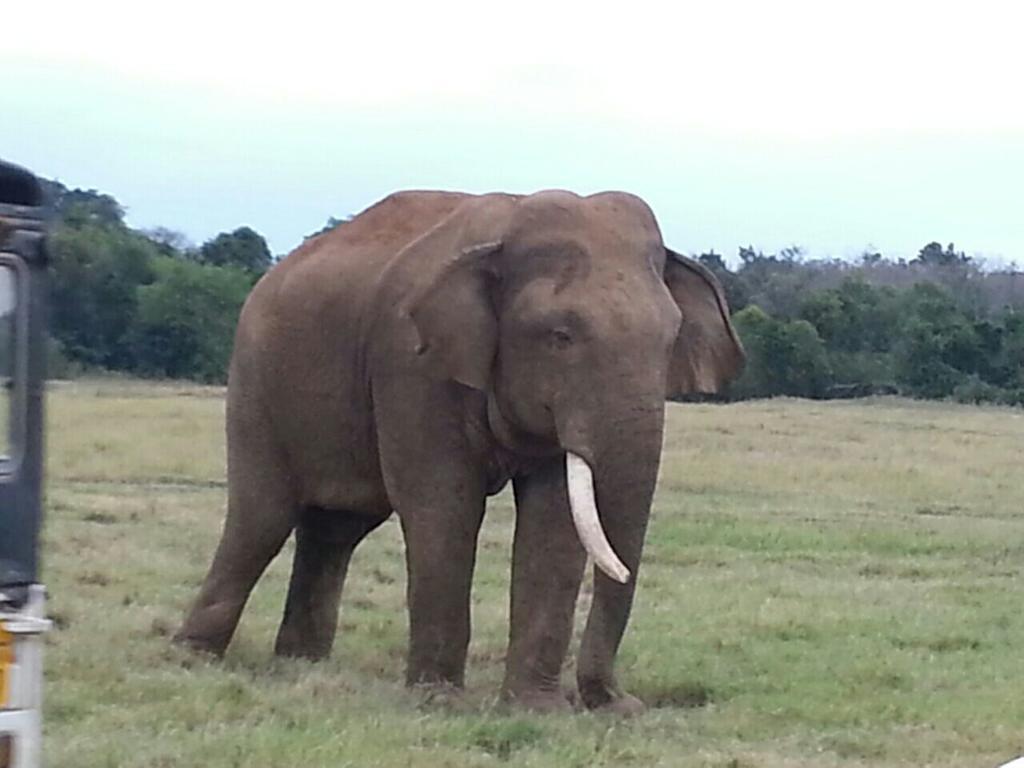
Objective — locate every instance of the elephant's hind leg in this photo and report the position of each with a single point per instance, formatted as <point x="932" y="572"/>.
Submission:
<point x="261" y="515"/>
<point x="324" y="542"/>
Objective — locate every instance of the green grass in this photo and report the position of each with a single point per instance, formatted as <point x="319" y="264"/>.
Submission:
<point x="825" y="585"/>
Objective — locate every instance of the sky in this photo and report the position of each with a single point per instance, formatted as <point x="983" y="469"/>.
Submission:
<point x="836" y="127"/>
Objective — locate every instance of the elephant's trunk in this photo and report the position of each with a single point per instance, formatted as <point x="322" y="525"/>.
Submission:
<point x="580" y="482"/>
<point x="624" y="452"/>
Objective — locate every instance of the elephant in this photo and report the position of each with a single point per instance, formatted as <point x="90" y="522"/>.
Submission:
<point x="417" y="358"/>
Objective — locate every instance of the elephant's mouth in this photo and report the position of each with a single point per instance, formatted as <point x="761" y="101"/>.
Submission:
<point x="579" y="480"/>
<point x="517" y="440"/>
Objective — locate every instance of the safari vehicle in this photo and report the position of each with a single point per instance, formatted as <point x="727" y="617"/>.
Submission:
<point x="23" y="218"/>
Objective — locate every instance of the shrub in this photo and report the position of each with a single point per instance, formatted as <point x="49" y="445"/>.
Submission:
<point x="783" y="358"/>
<point x="186" y="320"/>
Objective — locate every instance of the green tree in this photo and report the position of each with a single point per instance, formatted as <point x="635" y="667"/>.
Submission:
<point x="1006" y="360"/>
<point x="783" y="357"/>
<point x="777" y="283"/>
<point x="82" y="206"/>
<point x="186" y="320"/>
<point x="170" y="242"/>
<point x="96" y="269"/>
<point x="134" y="301"/>
<point x="933" y="255"/>
<point x="854" y="317"/>
<point x="939" y="345"/>
<point x="243" y="248"/>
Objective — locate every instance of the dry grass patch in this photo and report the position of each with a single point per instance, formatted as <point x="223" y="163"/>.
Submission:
<point x="827" y="584"/>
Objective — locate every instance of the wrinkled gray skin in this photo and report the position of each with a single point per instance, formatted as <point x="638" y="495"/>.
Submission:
<point x="418" y="358"/>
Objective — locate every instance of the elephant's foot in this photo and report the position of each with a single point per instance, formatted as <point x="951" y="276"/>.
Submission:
<point x="440" y="695"/>
<point x="208" y="627"/>
<point x="201" y="645"/>
<point x="295" y="648"/>
<point x="601" y="697"/>
<point x="623" y="705"/>
<point x="537" y="700"/>
<point x="435" y="671"/>
<point x="296" y="642"/>
<point x="203" y="632"/>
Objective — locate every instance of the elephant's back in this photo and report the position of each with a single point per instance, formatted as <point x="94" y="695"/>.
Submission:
<point x="333" y="278"/>
<point x="381" y="230"/>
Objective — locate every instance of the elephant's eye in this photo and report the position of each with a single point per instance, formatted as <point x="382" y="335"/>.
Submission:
<point x="561" y="338"/>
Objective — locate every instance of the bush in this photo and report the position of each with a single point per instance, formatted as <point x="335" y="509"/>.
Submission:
<point x="58" y="364"/>
<point x="186" y="320"/>
<point x="975" y="391"/>
<point x="96" y="271"/>
<point x="854" y="317"/>
<point x="866" y="368"/>
<point x="783" y="358"/>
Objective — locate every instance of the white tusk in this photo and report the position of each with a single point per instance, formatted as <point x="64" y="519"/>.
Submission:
<point x="580" y="481"/>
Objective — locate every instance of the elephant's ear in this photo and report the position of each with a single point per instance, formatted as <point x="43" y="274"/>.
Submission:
<point x="707" y="352"/>
<point x="451" y="301"/>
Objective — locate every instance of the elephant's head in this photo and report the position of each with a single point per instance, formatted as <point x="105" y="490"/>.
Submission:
<point x="578" y="323"/>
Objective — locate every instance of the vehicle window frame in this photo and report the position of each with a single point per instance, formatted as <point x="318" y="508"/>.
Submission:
<point x="11" y="458"/>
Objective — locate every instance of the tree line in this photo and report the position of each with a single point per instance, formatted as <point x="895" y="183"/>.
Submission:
<point x="935" y="326"/>
<point x="939" y="325"/>
<point x="143" y="302"/>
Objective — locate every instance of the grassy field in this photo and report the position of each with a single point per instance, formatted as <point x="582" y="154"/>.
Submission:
<point x="826" y="584"/>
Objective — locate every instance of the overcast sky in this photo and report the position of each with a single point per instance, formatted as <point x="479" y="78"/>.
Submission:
<point x="833" y="126"/>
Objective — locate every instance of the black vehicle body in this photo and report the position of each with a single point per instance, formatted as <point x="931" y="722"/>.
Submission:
<point x="23" y="293"/>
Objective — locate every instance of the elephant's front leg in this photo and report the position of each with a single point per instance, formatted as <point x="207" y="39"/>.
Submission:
<point x="441" y="554"/>
<point x="547" y="567"/>
<point x="436" y="482"/>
